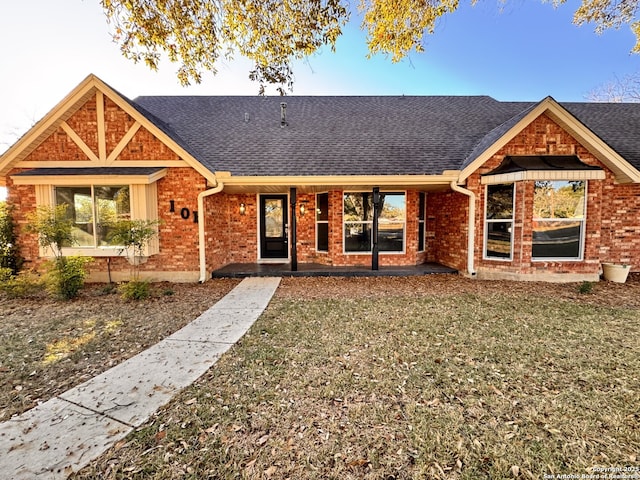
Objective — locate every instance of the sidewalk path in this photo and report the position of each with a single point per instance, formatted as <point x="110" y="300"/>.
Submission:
<point x="65" y="433"/>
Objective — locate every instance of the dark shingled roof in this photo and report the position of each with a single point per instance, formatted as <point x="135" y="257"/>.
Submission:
<point x="383" y="135"/>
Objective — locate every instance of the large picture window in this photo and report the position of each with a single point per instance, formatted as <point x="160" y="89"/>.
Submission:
<point x="358" y="222"/>
<point x="499" y="221"/>
<point x="391" y="223"/>
<point x="558" y="219"/>
<point x="93" y="209"/>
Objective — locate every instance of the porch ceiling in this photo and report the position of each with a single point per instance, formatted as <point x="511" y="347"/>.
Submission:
<point x="431" y="183"/>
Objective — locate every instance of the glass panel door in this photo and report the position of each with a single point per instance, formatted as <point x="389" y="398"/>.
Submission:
<point x="273" y="226"/>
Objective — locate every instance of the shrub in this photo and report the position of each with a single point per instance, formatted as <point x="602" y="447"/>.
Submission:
<point x="135" y="290"/>
<point x="6" y="274"/>
<point x="133" y="236"/>
<point x="23" y="285"/>
<point x="585" y="287"/>
<point x="54" y="227"/>
<point x="65" y="276"/>
<point x="9" y="256"/>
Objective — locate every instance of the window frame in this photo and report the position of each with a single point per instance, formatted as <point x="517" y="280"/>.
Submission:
<point x="322" y="221"/>
<point x="95" y="220"/>
<point x="488" y="221"/>
<point x="422" y="216"/>
<point x="143" y="205"/>
<point x="583" y="222"/>
<point x="370" y="222"/>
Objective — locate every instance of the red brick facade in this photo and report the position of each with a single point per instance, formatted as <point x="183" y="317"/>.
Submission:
<point x="612" y="226"/>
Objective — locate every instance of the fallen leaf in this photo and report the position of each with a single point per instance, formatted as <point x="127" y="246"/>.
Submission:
<point x="269" y="472"/>
<point x="515" y="471"/>
<point x="160" y="435"/>
<point x="496" y="391"/>
<point x="262" y="440"/>
<point x="212" y="429"/>
<point x="191" y="401"/>
<point x="361" y="462"/>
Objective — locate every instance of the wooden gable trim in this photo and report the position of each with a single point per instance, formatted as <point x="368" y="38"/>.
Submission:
<point x="92" y="86"/>
<point x="124" y="141"/>
<point x="102" y="136"/>
<point x="623" y="171"/>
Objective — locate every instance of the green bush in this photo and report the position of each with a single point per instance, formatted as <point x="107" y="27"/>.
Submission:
<point x="9" y="256"/>
<point x="585" y="287"/>
<point x="23" y="285"/>
<point x="65" y="276"/>
<point x="135" y="290"/>
<point x="6" y="274"/>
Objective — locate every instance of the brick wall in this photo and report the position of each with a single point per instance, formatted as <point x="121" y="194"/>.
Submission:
<point x="58" y="147"/>
<point x="446" y="228"/>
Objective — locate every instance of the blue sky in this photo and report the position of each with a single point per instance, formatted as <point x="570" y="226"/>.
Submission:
<point x="521" y="50"/>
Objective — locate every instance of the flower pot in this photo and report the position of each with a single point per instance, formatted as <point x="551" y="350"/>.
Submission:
<point x="615" y="273"/>
<point x="136" y="260"/>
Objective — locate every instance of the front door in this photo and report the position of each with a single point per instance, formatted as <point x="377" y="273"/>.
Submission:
<point x="274" y="233"/>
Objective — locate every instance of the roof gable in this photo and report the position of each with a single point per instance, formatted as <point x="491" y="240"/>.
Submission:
<point x="95" y="126"/>
<point x="623" y="171"/>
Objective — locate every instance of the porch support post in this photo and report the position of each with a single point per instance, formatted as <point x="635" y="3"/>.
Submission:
<point x="374" y="233"/>
<point x="294" y="232"/>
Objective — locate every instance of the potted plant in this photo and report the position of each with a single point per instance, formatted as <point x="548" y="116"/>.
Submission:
<point x="614" y="272"/>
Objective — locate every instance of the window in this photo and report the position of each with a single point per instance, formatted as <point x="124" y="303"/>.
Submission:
<point x="422" y="206"/>
<point x="322" y="222"/>
<point x="92" y="210"/>
<point x="499" y="221"/>
<point x="558" y="219"/>
<point x="391" y="222"/>
<point x="358" y="222"/>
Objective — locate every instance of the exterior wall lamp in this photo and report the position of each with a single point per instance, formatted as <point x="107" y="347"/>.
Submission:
<point x="303" y="207"/>
<point x="243" y="209"/>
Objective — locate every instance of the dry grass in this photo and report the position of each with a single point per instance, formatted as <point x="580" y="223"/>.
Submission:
<point x="48" y="346"/>
<point x="429" y="377"/>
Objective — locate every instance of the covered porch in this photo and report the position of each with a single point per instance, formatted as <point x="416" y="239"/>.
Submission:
<point x="242" y="270"/>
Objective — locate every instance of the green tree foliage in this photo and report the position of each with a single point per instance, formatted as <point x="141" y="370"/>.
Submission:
<point x="10" y="260"/>
<point x="55" y="229"/>
<point x="272" y="33"/>
<point x="134" y="236"/>
<point x="53" y="226"/>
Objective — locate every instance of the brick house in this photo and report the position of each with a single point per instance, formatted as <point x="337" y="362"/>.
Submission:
<point x="514" y="190"/>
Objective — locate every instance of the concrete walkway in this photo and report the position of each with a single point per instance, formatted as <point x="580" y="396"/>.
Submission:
<point x="64" y="434"/>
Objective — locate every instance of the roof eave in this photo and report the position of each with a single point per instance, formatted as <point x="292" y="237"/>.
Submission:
<point x="325" y="181"/>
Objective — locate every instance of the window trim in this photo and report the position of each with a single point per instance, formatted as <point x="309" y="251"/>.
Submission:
<point x="422" y="220"/>
<point x="322" y="221"/>
<point x="370" y="222"/>
<point x="583" y="223"/>
<point x="487" y="221"/>
<point x="143" y="204"/>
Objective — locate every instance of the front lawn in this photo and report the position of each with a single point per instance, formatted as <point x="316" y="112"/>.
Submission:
<point x="429" y="377"/>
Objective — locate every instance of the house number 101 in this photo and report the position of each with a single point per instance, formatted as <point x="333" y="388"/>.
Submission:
<point x="185" y="213"/>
